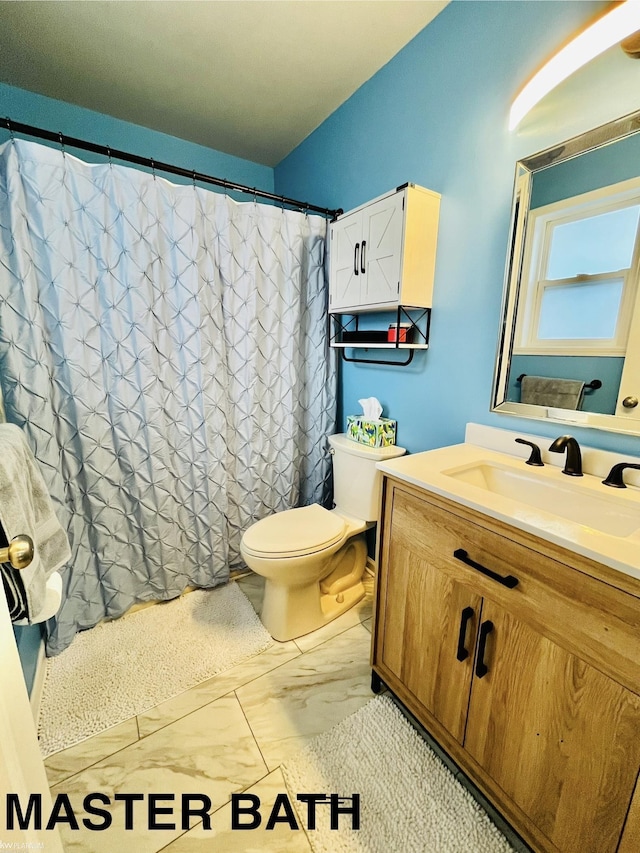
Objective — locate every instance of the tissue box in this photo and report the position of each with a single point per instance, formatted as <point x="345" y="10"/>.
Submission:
<point x="378" y="433"/>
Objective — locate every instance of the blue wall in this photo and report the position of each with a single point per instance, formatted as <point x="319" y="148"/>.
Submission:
<point x="28" y="639"/>
<point x="50" y="114"/>
<point x="437" y="115"/>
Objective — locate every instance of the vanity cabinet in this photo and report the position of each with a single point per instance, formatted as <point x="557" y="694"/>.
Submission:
<point x="524" y="666"/>
<point x="382" y="254"/>
<point x="423" y="624"/>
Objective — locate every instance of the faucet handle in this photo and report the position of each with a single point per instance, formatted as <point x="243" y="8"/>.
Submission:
<point x="615" y="478"/>
<point x="535" y="458"/>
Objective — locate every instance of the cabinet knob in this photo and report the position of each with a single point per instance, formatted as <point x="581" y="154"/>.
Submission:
<point x="630" y="402"/>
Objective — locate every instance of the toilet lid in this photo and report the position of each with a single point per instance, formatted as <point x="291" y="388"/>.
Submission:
<point x="294" y="532"/>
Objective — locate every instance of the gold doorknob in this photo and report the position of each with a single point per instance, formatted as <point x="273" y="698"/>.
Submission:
<point x="630" y="402"/>
<point x="19" y="552"/>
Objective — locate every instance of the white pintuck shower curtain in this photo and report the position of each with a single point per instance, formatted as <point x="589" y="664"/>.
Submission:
<point x="165" y="350"/>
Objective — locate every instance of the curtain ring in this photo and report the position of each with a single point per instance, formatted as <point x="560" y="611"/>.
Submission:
<point x="10" y="129"/>
<point x="255" y="195"/>
<point x="61" y="138"/>
<point x="109" y="156"/>
<point x="153" y="168"/>
<point x="194" y="179"/>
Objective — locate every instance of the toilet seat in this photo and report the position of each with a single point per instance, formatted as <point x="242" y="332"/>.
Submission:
<point x="294" y="533"/>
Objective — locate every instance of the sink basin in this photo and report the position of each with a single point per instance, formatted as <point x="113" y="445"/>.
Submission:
<point x="578" y="502"/>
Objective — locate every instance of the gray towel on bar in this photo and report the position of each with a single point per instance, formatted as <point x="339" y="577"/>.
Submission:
<point x="26" y="507"/>
<point x="557" y="393"/>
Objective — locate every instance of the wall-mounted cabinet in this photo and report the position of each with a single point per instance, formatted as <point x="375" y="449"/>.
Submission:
<point x="382" y="254"/>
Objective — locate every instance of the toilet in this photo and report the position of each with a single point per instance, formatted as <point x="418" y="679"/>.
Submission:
<point x="313" y="558"/>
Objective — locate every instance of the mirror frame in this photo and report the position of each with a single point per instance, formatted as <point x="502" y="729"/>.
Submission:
<point x="525" y="169"/>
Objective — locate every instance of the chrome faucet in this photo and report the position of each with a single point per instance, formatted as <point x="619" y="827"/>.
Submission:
<point x="573" y="464"/>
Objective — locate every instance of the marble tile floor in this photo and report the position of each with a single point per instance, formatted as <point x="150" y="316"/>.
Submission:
<point x="227" y="735"/>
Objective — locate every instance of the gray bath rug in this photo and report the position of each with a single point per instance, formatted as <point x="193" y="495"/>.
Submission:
<point x="121" y="668"/>
<point x="409" y="800"/>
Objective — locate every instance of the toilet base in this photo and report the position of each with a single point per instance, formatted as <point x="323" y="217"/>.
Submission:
<point x="289" y="613"/>
<point x="292" y="611"/>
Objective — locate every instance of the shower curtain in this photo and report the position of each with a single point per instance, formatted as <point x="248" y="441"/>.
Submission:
<point x="165" y="350"/>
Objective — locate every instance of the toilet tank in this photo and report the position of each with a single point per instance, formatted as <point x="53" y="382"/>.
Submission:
<point x="356" y="480"/>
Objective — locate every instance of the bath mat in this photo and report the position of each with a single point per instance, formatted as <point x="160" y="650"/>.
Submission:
<point x="409" y="800"/>
<point x="124" y="667"/>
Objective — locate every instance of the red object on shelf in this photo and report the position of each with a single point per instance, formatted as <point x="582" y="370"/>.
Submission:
<point x="402" y="331"/>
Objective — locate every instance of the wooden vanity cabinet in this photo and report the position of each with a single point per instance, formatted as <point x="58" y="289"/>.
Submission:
<point x="525" y="666"/>
<point x="630" y="841"/>
<point x="422" y="626"/>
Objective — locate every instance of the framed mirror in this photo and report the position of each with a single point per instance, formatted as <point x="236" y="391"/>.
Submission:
<point x="569" y="347"/>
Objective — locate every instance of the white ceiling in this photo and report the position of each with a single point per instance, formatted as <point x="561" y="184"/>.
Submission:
<point x="249" y="77"/>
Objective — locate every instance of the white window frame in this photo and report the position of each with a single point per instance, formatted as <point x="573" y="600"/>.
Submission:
<point x="540" y="227"/>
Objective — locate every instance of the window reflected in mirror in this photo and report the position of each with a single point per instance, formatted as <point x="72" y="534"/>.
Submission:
<point x="571" y="305"/>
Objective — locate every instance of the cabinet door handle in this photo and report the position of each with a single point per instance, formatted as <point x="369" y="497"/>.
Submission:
<point x="481" y="668"/>
<point x="364" y="246"/>
<point x="506" y="580"/>
<point x="467" y="614"/>
<point x="355" y="259"/>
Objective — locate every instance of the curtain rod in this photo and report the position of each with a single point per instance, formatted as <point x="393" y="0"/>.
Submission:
<point x="106" y="151"/>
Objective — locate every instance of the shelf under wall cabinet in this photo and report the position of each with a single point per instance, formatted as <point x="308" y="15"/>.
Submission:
<point x="411" y="335"/>
<point x="374" y="345"/>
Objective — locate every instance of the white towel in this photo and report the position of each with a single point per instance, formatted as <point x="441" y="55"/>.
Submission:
<point x="26" y="507"/>
<point x="52" y="601"/>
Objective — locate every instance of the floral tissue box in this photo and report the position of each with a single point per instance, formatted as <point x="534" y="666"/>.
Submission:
<point x="378" y="433"/>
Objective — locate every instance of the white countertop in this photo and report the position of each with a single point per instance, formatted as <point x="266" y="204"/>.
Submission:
<point x="427" y="471"/>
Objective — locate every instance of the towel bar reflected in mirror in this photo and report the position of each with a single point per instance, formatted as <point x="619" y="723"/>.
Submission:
<point x="593" y="385"/>
<point x="19" y="552"/>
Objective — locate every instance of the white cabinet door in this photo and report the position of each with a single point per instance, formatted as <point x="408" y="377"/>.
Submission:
<point x="346" y="269"/>
<point x="381" y="250"/>
<point x="383" y="253"/>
